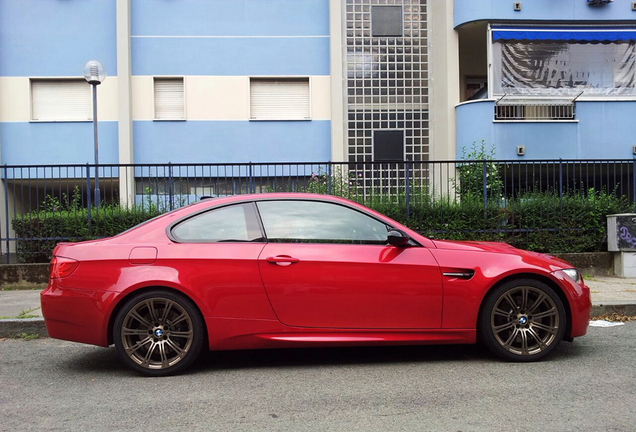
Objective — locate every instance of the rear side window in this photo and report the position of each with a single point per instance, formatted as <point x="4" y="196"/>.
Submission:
<point x="235" y="223"/>
<point x="318" y="222"/>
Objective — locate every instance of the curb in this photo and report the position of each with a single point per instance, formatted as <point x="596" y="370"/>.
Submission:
<point x="15" y="327"/>
<point x="607" y="309"/>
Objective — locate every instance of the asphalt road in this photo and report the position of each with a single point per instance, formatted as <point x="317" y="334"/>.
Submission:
<point x="589" y="385"/>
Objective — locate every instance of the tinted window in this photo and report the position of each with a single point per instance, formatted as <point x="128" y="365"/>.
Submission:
<point x="308" y="221"/>
<point x="386" y="21"/>
<point x="232" y="223"/>
<point x="388" y="146"/>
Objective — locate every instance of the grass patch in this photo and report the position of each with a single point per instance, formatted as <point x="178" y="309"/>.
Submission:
<point x="615" y="317"/>
<point x="24" y="313"/>
<point x="23" y="288"/>
<point x="26" y="336"/>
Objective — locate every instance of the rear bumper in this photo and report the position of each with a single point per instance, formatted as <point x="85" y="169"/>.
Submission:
<point x="76" y="315"/>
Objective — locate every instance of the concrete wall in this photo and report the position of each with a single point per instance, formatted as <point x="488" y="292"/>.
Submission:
<point x="602" y="129"/>
<point x="548" y="10"/>
<point x="444" y="80"/>
<point x="216" y="45"/>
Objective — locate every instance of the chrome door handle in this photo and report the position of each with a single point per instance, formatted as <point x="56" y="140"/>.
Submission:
<point x="282" y="259"/>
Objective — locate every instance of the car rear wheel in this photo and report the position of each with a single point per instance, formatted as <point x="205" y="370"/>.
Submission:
<point x="158" y="333"/>
<point x="522" y="320"/>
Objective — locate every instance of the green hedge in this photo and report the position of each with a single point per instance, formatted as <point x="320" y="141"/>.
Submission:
<point x="539" y="221"/>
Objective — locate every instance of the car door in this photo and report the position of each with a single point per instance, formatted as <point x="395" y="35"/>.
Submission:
<point x="329" y="265"/>
<point x="216" y="252"/>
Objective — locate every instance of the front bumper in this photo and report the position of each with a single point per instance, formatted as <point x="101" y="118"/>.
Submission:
<point x="579" y="301"/>
<point x="76" y="315"/>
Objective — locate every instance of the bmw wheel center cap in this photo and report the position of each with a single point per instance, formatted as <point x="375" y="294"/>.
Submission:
<point x="158" y="332"/>
<point x="523" y="320"/>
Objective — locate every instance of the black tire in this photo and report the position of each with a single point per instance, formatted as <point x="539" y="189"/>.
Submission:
<point x="158" y="332"/>
<point x="518" y="330"/>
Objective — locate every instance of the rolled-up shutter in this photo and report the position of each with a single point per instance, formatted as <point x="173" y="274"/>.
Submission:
<point x="279" y="99"/>
<point x="61" y="100"/>
<point x="169" y="99"/>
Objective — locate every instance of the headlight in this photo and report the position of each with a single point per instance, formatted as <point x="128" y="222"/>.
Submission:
<point x="574" y="275"/>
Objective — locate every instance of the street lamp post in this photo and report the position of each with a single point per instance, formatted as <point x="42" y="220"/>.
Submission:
<point x="95" y="74"/>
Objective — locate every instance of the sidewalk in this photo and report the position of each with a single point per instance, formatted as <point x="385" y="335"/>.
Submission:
<point x="20" y="310"/>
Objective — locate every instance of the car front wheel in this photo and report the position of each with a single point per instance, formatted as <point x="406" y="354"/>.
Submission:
<point x="158" y="333"/>
<point x="522" y="320"/>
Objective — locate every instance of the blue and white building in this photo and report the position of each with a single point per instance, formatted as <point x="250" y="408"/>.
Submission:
<point x="317" y="80"/>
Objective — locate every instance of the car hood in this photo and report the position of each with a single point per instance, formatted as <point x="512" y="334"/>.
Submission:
<point x="499" y="247"/>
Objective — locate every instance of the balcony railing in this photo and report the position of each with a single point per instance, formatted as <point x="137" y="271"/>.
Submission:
<point x="534" y="109"/>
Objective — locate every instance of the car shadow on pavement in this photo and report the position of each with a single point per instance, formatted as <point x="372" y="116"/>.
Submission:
<point x="106" y="361"/>
<point x="311" y="357"/>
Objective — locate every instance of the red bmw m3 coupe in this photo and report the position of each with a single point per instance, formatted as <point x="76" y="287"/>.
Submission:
<point x="301" y="270"/>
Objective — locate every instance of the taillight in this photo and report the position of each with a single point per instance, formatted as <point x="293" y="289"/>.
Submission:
<point x="62" y="267"/>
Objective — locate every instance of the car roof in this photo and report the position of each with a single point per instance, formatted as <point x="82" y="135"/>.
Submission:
<point x="192" y="209"/>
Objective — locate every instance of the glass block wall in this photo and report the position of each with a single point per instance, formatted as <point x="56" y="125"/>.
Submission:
<point x="386" y="80"/>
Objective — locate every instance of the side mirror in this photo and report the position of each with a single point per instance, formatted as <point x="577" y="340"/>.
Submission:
<point x="397" y="238"/>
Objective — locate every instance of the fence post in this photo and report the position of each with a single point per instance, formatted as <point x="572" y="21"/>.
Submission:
<point x="560" y="189"/>
<point x="329" y="178"/>
<point x="170" y="183"/>
<point x="249" y="181"/>
<point x="88" y="198"/>
<point x="6" y="209"/>
<point x="484" y="186"/>
<point x="408" y="190"/>
<point x="634" y="183"/>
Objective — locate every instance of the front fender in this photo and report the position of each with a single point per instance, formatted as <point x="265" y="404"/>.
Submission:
<point x="463" y="298"/>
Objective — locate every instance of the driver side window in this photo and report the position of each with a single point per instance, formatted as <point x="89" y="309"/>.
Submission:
<point x="318" y="222"/>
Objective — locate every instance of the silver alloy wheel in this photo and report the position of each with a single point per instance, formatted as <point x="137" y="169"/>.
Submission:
<point x="157" y="333"/>
<point x="525" y="320"/>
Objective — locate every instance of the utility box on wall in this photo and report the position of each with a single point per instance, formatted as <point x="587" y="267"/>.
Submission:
<point x="621" y="232"/>
<point x="621" y="239"/>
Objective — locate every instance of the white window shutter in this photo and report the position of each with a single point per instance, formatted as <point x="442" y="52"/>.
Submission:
<point x="61" y="100"/>
<point x="279" y="99"/>
<point x="169" y="99"/>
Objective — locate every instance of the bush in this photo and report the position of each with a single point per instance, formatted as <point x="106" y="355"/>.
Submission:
<point x="470" y="176"/>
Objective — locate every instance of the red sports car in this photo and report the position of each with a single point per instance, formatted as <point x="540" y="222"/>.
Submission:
<point x="301" y="270"/>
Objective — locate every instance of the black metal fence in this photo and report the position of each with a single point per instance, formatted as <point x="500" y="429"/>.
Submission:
<point x="42" y="205"/>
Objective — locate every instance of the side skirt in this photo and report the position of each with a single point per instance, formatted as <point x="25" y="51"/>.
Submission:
<point x="233" y="333"/>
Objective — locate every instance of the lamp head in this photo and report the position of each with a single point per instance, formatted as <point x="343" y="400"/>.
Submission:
<point x="94" y="72"/>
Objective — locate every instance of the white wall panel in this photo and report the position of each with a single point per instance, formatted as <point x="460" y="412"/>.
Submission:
<point x="221" y="97"/>
<point x="321" y="98"/>
<point x="15" y="99"/>
<point x="217" y="97"/>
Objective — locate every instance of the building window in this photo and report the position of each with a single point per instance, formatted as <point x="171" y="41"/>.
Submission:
<point x="388" y="146"/>
<point x="61" y="100"/>
<point x="386" y="80"/>
<point x="564" y="62"/>
<point x="169" y="99"/>
<point x="386" y="21"/>
<point x="279" y="99"/>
